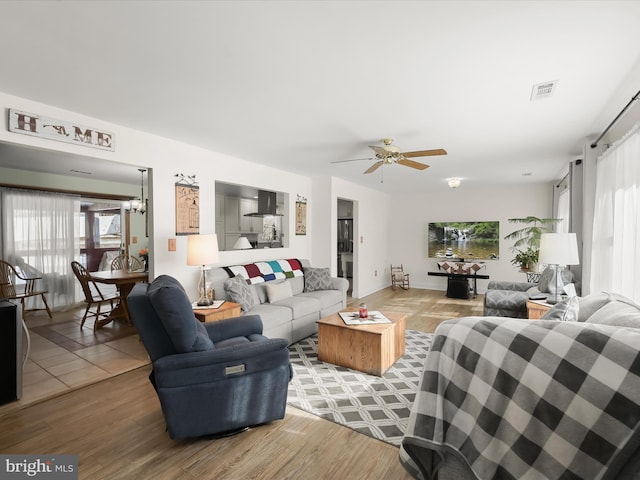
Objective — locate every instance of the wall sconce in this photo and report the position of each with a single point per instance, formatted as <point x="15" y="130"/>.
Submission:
<point x="454" y="182"/>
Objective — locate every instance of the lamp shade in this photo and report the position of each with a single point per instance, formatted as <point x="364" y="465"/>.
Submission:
<point x="242" y="244"/>
<point x="559" y="249"/>
<point x="202" y="249"/>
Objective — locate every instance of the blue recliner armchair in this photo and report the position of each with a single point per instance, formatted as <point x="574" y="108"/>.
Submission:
<point x="213" y="378"/>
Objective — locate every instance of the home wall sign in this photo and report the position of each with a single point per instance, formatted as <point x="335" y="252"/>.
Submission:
<point x="60" y="130"/>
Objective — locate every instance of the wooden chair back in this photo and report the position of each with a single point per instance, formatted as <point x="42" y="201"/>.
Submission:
<point x="126" y="262"/>
<point x="399" y="278"/>
<point x="8" y="276"/>
<point x="93" y="297"/>
<point x="89" y="288"/>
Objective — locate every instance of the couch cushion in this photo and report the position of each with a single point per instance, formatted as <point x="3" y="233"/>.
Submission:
<point x="316" y="279"/>
<point x="261" y="290"/>
<point x="621" y="312"/>
<point x="272" y="314"/>
<point x="297" y="285"/>
<point x="327" y="298"/>
<point x="300" y="306"/>
<point x="592" y="303"/>
<point x="565" y="311"/>
<point x="278" y="291"/>
<point x="240" y="292"/>
<point x="173" y="307"/>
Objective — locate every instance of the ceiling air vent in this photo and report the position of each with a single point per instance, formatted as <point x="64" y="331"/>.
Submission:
<point x="543" y="90"/>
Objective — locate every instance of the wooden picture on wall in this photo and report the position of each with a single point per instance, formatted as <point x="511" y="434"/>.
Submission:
<point x="301" y="218"/>
<point x="187" y="209"/>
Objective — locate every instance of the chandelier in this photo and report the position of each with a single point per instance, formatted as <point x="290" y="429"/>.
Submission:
<point x="138" y="205"/>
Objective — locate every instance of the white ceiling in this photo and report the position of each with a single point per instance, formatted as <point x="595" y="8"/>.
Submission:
<point x="298" y="85"/>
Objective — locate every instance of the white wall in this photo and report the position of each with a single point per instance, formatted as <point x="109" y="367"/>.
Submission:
<point x="371" y="214"/>
<point x="166" y="158"/>
<point x="412" y="213"/>
<point x="387" y="229"/>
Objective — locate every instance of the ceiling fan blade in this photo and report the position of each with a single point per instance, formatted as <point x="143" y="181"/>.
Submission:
<point x="425" y="153"/>
<point x="379" y="150"/>
<point x="374" y="167"/>
<point x="353" y="160"/>
<point x="413" y="164"/>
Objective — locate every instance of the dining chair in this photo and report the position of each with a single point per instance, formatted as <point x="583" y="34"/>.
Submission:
<point x="93" y="297"/>
<point x="126" y="262"/>
<point x="9" y="277"/>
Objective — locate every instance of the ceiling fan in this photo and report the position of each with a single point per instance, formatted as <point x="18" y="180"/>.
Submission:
<point x="389" y="153"/>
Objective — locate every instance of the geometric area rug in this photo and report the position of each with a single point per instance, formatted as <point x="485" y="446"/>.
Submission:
<point x="375" y="406"/>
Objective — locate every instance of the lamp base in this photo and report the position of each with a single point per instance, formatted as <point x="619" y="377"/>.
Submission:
<point x="556" y="286"/>
<point x="204" y="302"/>
<point x="553" y="299"/>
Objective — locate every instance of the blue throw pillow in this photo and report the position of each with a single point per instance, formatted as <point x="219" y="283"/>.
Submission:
<point x="173" y="307"/>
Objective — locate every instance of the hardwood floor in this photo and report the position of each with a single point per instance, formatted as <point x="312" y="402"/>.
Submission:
<point x="117" y="429"/>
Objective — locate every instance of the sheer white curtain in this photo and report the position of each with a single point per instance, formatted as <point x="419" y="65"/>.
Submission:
<point x="40" y="234"/>
<point x="615" y="255"/>
<point x="564" y="212"/>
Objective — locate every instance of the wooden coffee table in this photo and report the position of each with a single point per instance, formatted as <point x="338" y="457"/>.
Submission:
<point x="367" y="348"/>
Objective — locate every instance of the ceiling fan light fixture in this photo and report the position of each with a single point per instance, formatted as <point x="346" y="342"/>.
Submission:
<point x="454" y="182"/>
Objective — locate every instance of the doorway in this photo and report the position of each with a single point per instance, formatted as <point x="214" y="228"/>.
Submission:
<point x="345" y="243"/>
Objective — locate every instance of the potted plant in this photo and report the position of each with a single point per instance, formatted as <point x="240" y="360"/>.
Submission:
<point x="527" y="239"/>
<point x="526" y="259"/>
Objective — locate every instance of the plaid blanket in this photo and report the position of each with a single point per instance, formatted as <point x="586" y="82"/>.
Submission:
<point x="521" y="399"/>
<point x="260" y="272"/>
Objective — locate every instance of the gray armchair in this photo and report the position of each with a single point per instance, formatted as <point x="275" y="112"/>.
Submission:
<point x="213" y="378"/>
<point x="509" y="299"/>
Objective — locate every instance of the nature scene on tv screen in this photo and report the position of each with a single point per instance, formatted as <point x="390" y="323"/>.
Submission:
<point x="464" y="240"/>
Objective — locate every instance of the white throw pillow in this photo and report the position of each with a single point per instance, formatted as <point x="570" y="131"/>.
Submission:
<point x="565" y="311"/>
<point x="278" y="291"/>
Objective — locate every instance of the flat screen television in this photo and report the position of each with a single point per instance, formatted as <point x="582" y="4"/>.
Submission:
<point x="464" y="240"/>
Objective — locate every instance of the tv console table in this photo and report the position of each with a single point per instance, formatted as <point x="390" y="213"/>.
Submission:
<point x="457" y="280"/>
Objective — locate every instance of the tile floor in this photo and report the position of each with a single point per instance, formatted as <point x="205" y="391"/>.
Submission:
<point x="64" y="357"/>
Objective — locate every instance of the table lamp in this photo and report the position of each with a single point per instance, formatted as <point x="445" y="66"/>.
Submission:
<point x="203" y="250"/>
<point x="558" y="249"/>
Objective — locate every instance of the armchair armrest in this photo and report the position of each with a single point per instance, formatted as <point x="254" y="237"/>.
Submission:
<point x="209" y="366"/>
<point x="513" y="286"/>
<point x="243" y="326"/>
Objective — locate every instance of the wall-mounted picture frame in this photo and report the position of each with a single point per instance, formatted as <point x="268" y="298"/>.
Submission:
<point x="301" y="217"/>
<point x="187" y="209"/>
<point x="464" y="240"/>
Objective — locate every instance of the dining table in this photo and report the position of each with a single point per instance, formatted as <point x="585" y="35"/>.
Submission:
<point x="124" y="281"/>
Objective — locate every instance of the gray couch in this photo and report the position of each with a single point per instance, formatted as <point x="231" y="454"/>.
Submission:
<point x="517" y="400"/>
<point x="289" y="302"/>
